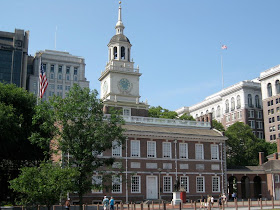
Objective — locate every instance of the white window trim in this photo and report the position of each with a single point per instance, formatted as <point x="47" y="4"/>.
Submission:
<point x="136" y="141"/>
<point x="188" y="186"/>
<point x="126" y="109"/>
<point x="217" y="146"/>
<point x="164" y="184"/>
<point x="219" y="187"/>
<point x="187" y="152"/>
<point x="120" y="183"/>
<point x="116" y="149"/>
<point x="203" y="184"/>
<point x="139" y="177"/>
<point x="155" y="151"/>
<point x="95" y="191"/>
<point x="167" y="143"/>
<point x="202" y="155"/>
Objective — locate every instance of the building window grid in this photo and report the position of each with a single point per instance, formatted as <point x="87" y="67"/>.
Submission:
<point x="167" y="184"/>
<point x="116" y="149"/>
<point x="276" y="178"/>
<point x="199" y="153"/>
<point x="151" y="149"/>
<point x="116" y="184"/>
<point x="184" y="183"/>
<point x="251" y="114"/>
<point x="97" y="180"/>
<point x="166" y="149"/>
<point x="183" y="150"/>
<point x="215" y="152"/>
<point x="135" y="148"/>
<point x="135" y="184"/>
<point x="216" y="184"/>
<point x="200" y="188"/>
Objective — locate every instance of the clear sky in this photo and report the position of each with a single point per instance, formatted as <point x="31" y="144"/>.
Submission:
<point x="176" y="43"/>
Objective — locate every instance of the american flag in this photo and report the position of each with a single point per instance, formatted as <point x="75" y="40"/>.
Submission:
<point x="43" y="80"/>
<point x="224" y="47"/>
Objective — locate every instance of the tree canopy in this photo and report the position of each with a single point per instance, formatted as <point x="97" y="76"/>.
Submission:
<point x="243" y="146"/>
<point x="80" y="129"/>
<point x="217" y="125"/>
<point x="17" y="107"/>
<point x="44" y="185"/>
<point x="159" y="112"/>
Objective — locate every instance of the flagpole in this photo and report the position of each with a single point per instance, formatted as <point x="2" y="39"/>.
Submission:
<point x="38" y="94"/>
<point x="222" y="70"/>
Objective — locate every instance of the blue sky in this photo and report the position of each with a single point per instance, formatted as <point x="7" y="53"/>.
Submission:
<point x="175" y="43"/>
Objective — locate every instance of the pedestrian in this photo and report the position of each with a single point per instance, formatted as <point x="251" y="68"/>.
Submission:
<point x="220" y="201"/>
<point x="112" y="203"/>
<point x="212" y="201"/>
<point x="224" y="197"/>
<point x="105" y="203"/>
<point x="67" y="204"/>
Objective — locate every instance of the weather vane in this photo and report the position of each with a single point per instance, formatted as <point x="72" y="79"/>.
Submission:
<point x="120" y="2"/>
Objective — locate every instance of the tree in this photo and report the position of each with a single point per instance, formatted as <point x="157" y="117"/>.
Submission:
<point x="16" y="112"/>
<point x="80" y="129"/>
<point x="243" y="146"/>
<point x="218" y="126"/>
<point x="185" y="116"/>
<point x="44" y="185"/>
<point x="159" y="112"/>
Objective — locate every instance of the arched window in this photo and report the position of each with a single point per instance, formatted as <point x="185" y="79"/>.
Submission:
<point x="122" y="53"/>
<point x="213" y="113"/>
<point x="218" y="111"/>
<point x="269" y="90"/>
<point x="207" y="111"/>
<point x="257" y="101"/>
<point x="277" y="85"/>
<point x="128" y="52"/>
<point x="238" y="102"/>
<point x="115" y="52"/>
<point x="201" y="114"/>
<point x="250" y="100"/>
<point x="232" y="104"/>
<point x="227" y="106"/>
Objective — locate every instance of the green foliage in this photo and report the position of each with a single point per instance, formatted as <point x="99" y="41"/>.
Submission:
<point x="185" y="116"/>
<point x="16" y="112"/>
<point x="80" y="129"/>
<point x="44" y="185"/>
<point x="159" y="112"/>
<point x="243" y="146"/>
<point x="218" y="126"/>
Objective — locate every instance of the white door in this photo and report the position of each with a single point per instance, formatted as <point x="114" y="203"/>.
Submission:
<point x="152" y="187"/>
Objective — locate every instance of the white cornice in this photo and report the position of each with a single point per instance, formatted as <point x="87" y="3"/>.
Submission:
<point x="270" y="72"/>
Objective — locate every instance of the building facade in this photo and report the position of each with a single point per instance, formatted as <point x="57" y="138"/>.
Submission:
<point x="159" y="155"/>
<point x="14" y="57"/>
<point x="271" y="102"/>
<point x="240" y="102"/>
<point x="63" y="70"/>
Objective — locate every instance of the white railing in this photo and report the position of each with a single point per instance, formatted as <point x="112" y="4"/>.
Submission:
<point x="163" y="121"/>
<point x="118" y="68"/>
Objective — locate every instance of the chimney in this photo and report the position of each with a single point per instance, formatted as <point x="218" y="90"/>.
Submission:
<point x="261" y="158"/>
<point x="275" y="156"/>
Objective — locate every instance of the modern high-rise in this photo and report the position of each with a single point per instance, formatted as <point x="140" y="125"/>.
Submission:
<point x="270" y="87"/>
<point x="62" y="69"/>
<point x="239" y="102"/>
<point x="13" y="57"/>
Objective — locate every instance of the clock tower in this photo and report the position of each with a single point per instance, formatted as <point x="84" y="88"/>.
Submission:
<point x="120" y="80"/>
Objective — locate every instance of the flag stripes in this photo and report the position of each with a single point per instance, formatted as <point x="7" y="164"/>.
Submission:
<point x="43" y="80"/>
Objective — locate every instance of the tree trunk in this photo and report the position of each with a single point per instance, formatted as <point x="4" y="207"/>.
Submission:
<point x="81" y="201"/>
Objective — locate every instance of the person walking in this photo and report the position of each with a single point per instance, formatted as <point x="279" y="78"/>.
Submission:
<point x="67" y="204"/>
<point x="105" y="203"/>
<point x="112" y="203"/>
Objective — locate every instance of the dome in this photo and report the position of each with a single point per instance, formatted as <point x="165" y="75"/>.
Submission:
<point x="119" y="38"/>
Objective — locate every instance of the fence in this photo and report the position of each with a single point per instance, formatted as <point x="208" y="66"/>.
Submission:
<point x="260" y="203"/>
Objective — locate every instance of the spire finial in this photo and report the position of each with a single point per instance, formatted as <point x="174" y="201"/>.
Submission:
<point x="119" y="25"/>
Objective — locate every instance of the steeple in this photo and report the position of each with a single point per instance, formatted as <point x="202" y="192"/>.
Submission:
<point x="119" y="26"/>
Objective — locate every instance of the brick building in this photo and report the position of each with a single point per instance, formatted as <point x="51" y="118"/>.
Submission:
<point x="158" y="153"/>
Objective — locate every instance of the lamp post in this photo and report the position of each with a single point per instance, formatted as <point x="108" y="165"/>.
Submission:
<point x="176" y="174"/>
<point x="159" y="171"/>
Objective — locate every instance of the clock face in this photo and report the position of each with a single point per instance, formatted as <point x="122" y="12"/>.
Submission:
<point x="105" y="87"/>
<point x="124" y="85"/>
